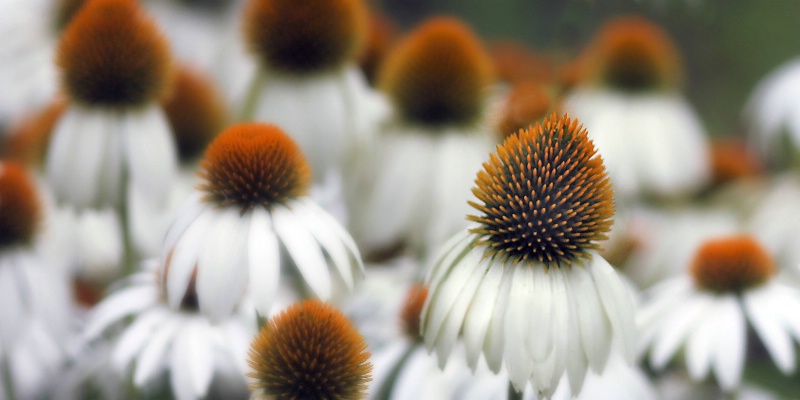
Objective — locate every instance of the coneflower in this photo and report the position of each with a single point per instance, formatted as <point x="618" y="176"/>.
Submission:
<point x="525" y="286"/>
<point x="309" y="351"/>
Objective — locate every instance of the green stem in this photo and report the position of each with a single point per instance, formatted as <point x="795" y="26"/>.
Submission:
<point x="513" y="394"/>
<point x="386" y="387"/>
<point x="249" y="107"/>
<point x="9" y="383"/>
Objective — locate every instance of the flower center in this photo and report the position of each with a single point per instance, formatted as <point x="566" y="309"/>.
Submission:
<point x="731" y="264"/>
<point x="633" y="54"/>
<point x="196" y="113"/>
<point x="254" y="164"/>
<point x="438" y="75"/>
<point x="20" y="208"/>
<point x="112" y="54"/>
<point x="545" y="196"/>
<point x="302" y="36"/>
<point x="527" y="103"/>
<point x="412" y="308"/>
<point x="310" y="351"/>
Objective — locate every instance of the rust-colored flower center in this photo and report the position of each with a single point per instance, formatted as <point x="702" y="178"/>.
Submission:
<point x="20" y="206"/>
<point x="412" y="308"/>
<point x="526" y="105"/>
<point x="544" y="196"/>
<point x="309" y="351"/>
<point x="302" y="36"/>
<point x="112" y="54"/>
<point x="438" y="75"/>
<point x="251" y="165"/>
<point x="731" y="264"/>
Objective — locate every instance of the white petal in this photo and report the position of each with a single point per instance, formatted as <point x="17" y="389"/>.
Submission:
<point x="594" y="327"/>
<point x="701" y="345"/>
<point x="442" y="298"/>
<point x="476" y="322"/>
<point x="304" y="251"/>
<point x="190" y="210"/>
<point x="192" y="363"/>
<point x="541" y="314"/>
<point x="329" y="240"/>
<point x="135" y="336"/>
<point x="151" y="154"/>
<point x="264" y="262"/>
<point x="730" y="343"/>
<point x="118" y="306"/>
<point x="682" y="320"/>
<point x="517" y="325"/>
<point x="617" y="304"/>
<point x="153" y="357"/>
<point x="356" y="264"/>
<point x="222" y="270"/>
<point x="769" y="328"/>
<point x="185" y="255"/>
<point x="576" y="361"/>
<point x="493" y="343"/>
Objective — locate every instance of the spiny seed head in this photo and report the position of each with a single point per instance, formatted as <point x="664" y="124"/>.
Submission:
<point x="544" y="196"/>
<point x="633" y="54"/>
<point x="309" y="351"/>
<point x="438" y="75"/>
<point x="412" y="308"/>
<point x="731" y="264"/>
<point x="20" y="206"/>
<point x="304" y="36"/>
<point x="111" y="54"/>
<point x="27" y="141"/>
<point x="251" y="165"/>
<point x="527" y="104"/>
<point x="195" y="111"/>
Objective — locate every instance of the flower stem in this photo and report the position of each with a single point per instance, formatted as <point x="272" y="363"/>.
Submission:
<point x="251" y="101"/>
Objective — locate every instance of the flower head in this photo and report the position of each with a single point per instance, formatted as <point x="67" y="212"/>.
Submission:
<point x="254" y="164"/>
<point x="111" y="54"/>
<point x="731" y="264"/>
<point x="545" y="195"/>
<point x="526" y="104"/>
<point x="412" y="308"/>
<point x="633" y="54"/>
<point x="438" y="75"/>
<point x="304" y="36"/>
<point x="309" y="351"/>
<point x="20" y="206"/>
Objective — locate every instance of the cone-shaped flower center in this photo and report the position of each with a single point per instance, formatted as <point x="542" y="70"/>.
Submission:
<point x="249" y="165"/>
<point x="632" y="54"/>
<point x="545" y="196"/>
<point x="527" y="103"/>
<point x="731" y="264"/>
<point x="20" y="207"/>
<point x="412" y="308"/>
<point x="310" y="351"/>
<point x="303" y="36"/>
<point x="196" y="113"/>
<point x="438" y="75"/>
<point x="112" y="54"/>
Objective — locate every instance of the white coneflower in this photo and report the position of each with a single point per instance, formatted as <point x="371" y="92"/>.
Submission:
<point x="425" y="157"/>
<point x="309" y="351"/>
<point x="34" y="289"/>
<point x="306" y="61"/>
<point x="651" y="139"/>
<point x="251" y="205"/>
<point x="159" y="337"/>
<point x="730" y="284"/>
<point x="114" y="67"/>
<point x="526" y="288"/>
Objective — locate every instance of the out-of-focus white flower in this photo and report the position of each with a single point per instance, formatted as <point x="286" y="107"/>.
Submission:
<point x="775" y="221"/>
<point x="525" y="287"/>
<point x="252" y="205"/>
<point x="730" y="285"/>
<point x="772" y="110"/>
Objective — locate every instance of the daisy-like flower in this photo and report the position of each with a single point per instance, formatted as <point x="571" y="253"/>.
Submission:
<point x="195" y="350"/>
<point x="424" y="160"/>
<point x="309" y="351"/>
<point x="731" y="284"/>
<point x="306" y="53"/>
<point x="114" y="67"/>
<point x="251" y="205"/>
<point x="525" y="287"/>
<point x="34" y="289"/>
<point x="651" y="139"/>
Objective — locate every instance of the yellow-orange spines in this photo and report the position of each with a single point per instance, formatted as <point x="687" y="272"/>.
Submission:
<point x="731" y="264"/>
<point x="412" y="308"/>
<point x="631" y="53"/>
<point x="304" y="36"/>
<point x="111" y="54"/>
<point x="195" y="111"/>
<point x="309" y="351"/>
<point x="251" y="165"/>
<point x="438" y="75"/>
<point x="20" y="206"/>
<point x="545" y="196"/>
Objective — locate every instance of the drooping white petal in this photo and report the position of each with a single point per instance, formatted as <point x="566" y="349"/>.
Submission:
<point x="766" y="322"/>
<point x="517" y="326"/>
<point x="135" y="337"/>
<point x="576" y="361"/>
<point x="190" y="210"/>
<point x="264" y="262"/>
<point x="185" y="255"/>
<point x="356" y="264"/>
<point x="617" y="304"/>
<point x="453" y="251"/>
<point x="12" y="311"/>
<point x="151" y="156"/>
<point x="730" y="343"/>
<point x="118" y="306"/>
<point x="495" y="338"/>
<point x="222" y="270"/>
<point x="681" y="323"/>
<point x="192" y="360"/>
<point x="304" y="251"/>
<point x="441" y="299"/>
<point x="541" y="313"/>
<point x="594" y="327"/>
<point x="153" y="357"/>
<point x="701" y="345"/>
<point x="329" y="241"/>
<point x="476" y="322"/>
